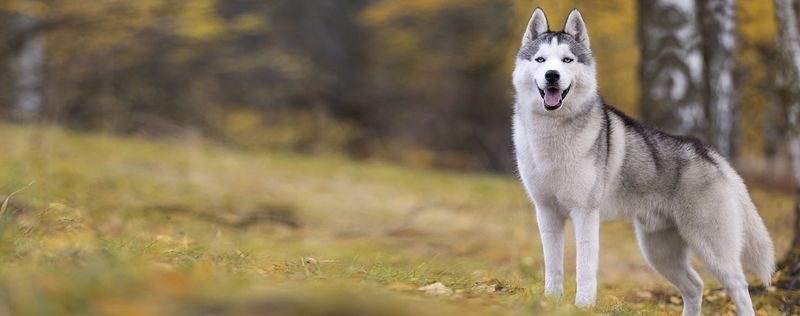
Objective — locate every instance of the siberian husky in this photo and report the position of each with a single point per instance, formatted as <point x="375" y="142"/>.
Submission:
<point x="586" y="161"/>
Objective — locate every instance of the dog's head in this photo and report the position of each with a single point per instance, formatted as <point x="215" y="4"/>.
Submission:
<point x="555" y="70"/>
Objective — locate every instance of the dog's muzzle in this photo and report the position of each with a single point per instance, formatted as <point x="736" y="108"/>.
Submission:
<point x="553" y="97"/>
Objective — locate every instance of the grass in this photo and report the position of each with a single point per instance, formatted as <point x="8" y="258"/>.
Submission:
<point x="129" y="226"/>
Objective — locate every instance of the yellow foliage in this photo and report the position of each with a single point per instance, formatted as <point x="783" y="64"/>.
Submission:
<point x="248" y="22"/>
<point x="756" y="25"/>
<point x="31" y="8"/>
<point x="387" y="11"/>
<point x="197" y="20"/>
<point x="756" y="21"/>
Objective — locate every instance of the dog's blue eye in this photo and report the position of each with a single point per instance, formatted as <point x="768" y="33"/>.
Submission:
<point x="540" y="60"/>
<point x="567" y="60"/>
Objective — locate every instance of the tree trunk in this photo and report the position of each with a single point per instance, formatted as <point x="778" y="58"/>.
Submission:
<point x="718" y="19"/>
<point x="27" y="70"/>
<point x="786" y="12"/>
<point x="672" y="71"/>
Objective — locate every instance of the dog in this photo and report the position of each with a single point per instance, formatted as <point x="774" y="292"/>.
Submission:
<point x="583" y="160"/>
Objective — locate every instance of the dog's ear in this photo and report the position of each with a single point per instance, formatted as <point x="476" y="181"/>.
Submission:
<point x="536" y="26"/>
<point x="577" y="28"/>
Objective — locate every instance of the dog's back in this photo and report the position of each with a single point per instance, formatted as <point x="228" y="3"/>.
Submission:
<point x="666" y="180"/>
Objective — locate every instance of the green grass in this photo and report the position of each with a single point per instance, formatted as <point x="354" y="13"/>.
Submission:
<point x="130" y="226"/>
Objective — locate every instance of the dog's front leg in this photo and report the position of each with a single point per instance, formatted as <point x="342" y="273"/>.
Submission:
<point x="551" y="230"/>
<point x="587" y="239"/>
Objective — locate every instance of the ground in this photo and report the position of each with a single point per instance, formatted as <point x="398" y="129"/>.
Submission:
<point x="134" y="226"/>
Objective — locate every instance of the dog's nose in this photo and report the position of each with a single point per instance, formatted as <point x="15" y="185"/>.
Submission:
<point x="552" y="76"/>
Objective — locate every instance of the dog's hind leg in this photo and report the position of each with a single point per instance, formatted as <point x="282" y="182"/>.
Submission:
<point x="668" y="254"/>
<point x="731" y="275"/>
<point x="717" y="241"/>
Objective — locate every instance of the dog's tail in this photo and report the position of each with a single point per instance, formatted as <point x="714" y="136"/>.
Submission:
<point x="758" y="255"/>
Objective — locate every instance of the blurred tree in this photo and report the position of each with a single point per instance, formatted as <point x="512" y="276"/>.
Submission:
<point x="762" y="150"/>
<point x="687" y="70"/>
<point x="672" y="70"/>
<point x="27" y="69"/>
<point x="719" y="42"/>
<point x="786" y="12"/>
<point x="332" y="43"/>
<point x="438" y="69"/>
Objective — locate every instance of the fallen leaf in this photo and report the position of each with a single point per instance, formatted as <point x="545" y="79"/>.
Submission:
<point x="436" y="289"/>
<point x="645" y="295"/>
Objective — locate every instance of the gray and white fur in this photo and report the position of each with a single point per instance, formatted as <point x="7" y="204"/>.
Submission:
<point x="586" y="161"/>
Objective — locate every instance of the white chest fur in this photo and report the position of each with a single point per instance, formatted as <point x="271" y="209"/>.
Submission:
<point x="561" y="164"/>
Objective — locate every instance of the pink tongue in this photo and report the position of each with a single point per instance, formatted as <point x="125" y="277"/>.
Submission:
<point x="552" y="97"/>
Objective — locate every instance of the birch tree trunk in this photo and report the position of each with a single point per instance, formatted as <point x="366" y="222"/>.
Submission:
<point x="27" y="70"/>
<point x="786" y="13"/>
<point x="718" y="19"/>
<point x="672" y="71"/>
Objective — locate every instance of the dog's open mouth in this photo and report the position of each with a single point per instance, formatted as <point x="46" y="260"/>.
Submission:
<point x="553" y="97"/>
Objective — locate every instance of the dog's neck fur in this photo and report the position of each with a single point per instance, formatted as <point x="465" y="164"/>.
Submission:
<point x="561" y="137"/>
